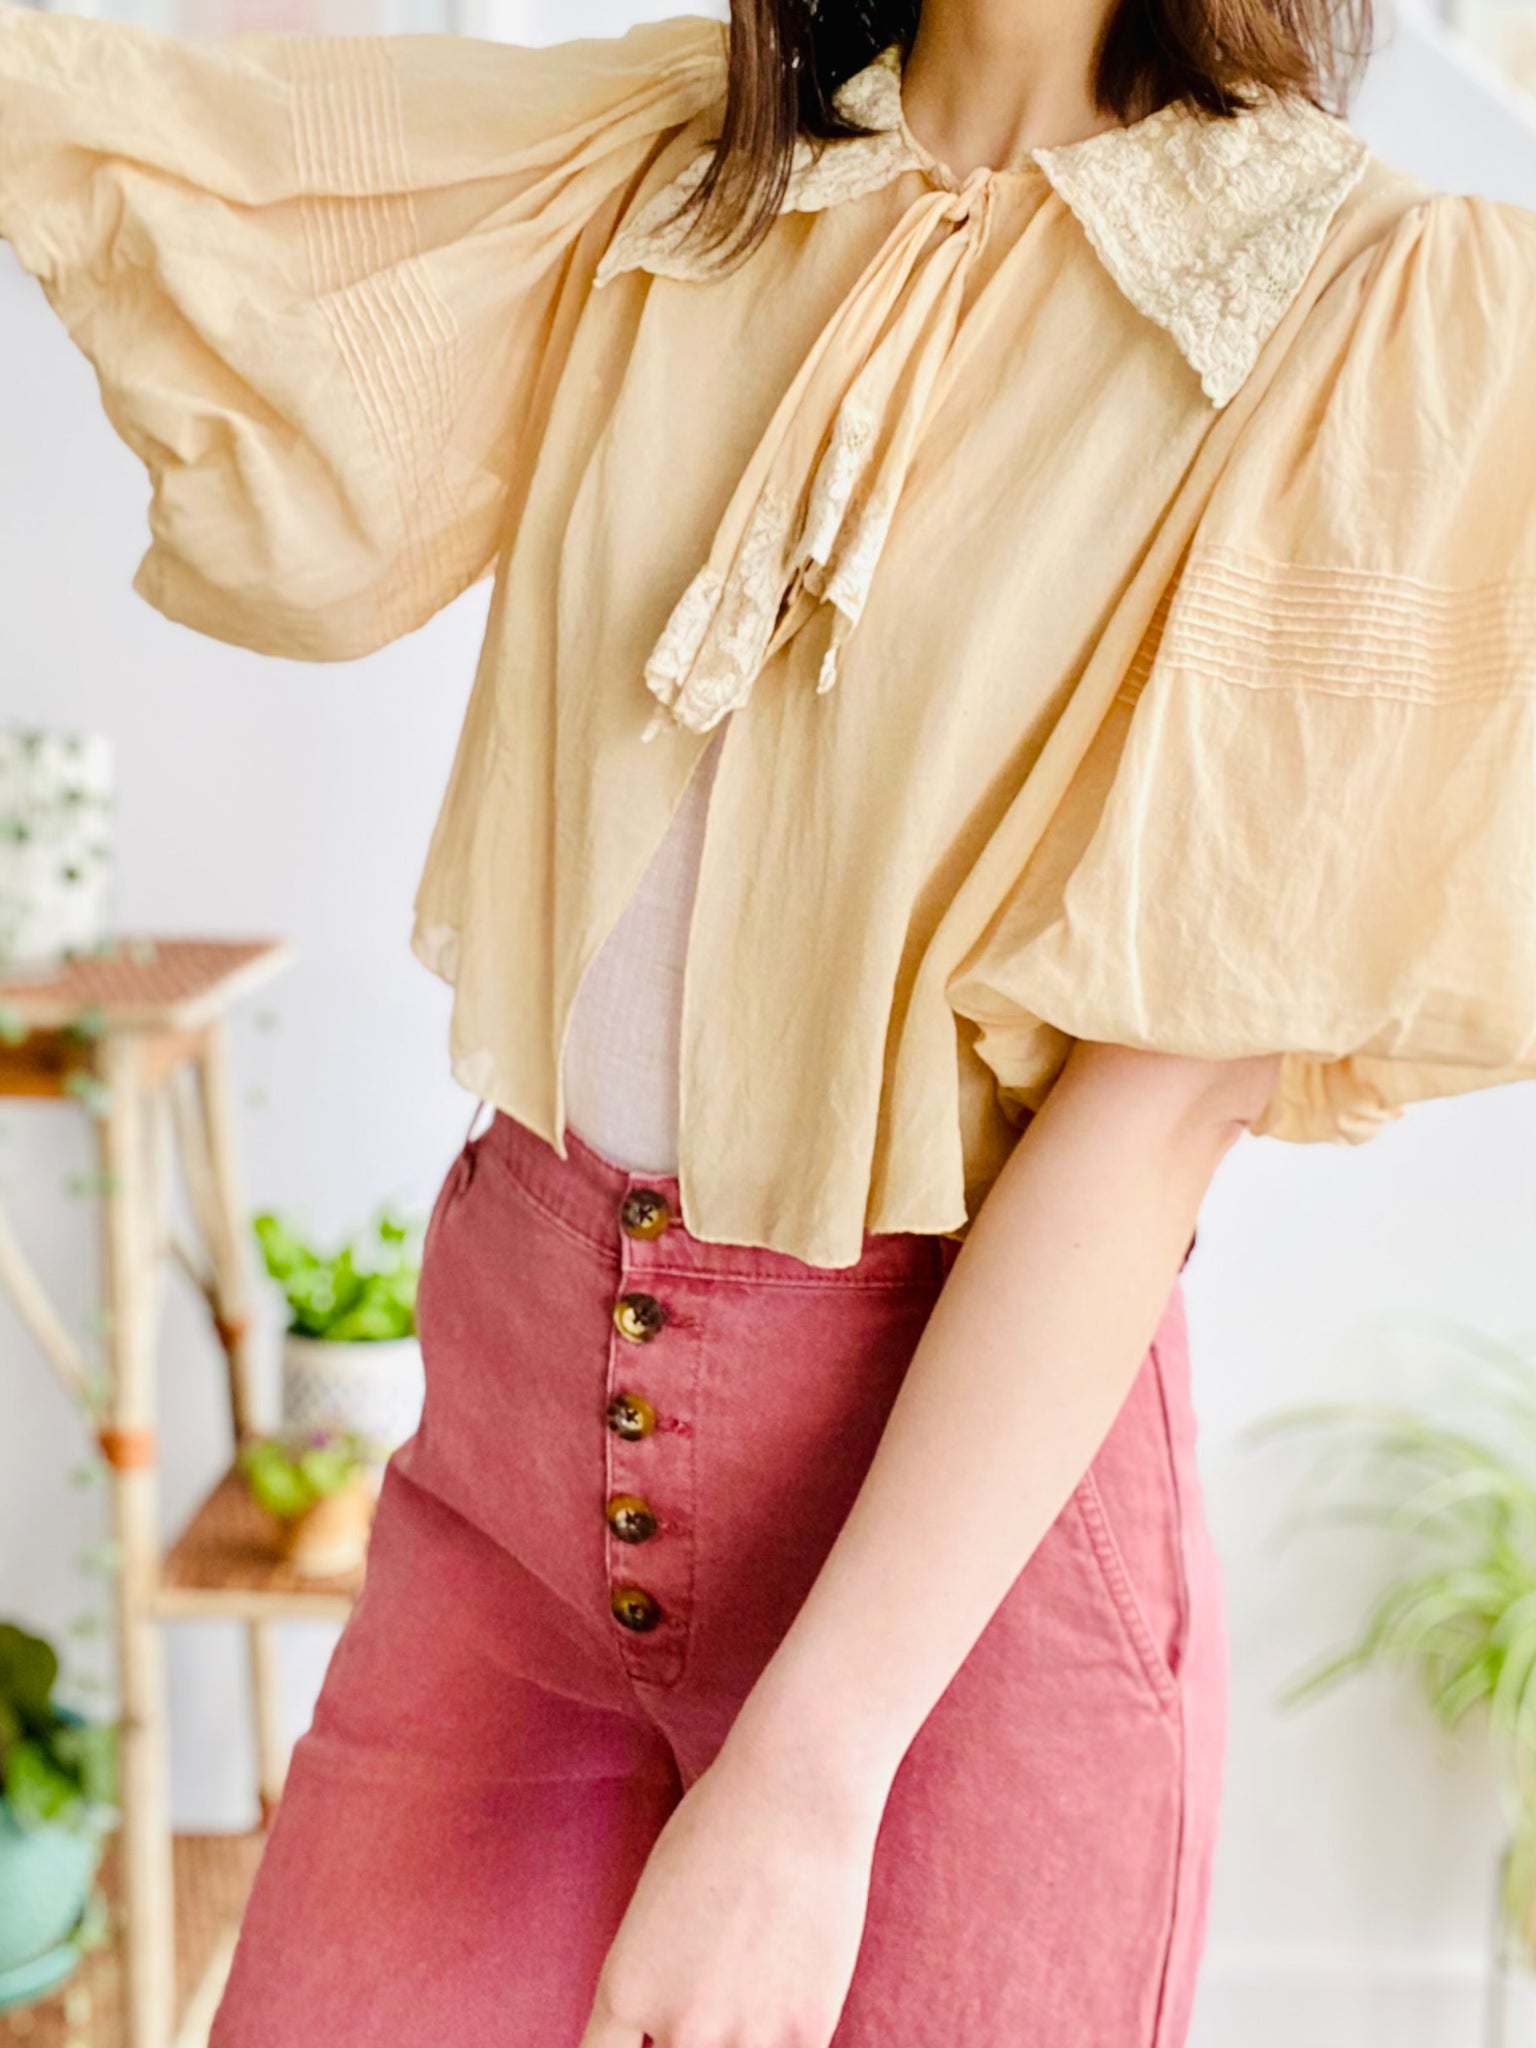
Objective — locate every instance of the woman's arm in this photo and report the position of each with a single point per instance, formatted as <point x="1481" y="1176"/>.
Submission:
<point x="746" y="1921"/>
<point x="326" y="284"/>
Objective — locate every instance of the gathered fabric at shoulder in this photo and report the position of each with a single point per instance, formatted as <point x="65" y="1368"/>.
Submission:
<point x="1310" y="828"/>
<point x="320" y="280"/>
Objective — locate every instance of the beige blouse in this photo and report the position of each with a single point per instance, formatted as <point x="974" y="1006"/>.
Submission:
<point x="1118" y="571"/>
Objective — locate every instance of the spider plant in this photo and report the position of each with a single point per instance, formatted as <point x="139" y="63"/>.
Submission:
<point x="1456" y="1495"/>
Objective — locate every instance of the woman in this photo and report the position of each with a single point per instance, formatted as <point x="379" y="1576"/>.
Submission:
<point x="1060" y="515"/>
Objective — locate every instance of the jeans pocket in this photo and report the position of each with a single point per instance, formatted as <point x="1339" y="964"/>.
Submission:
<point x="461" y="1171"/>
<point x="1130" y="1504"/>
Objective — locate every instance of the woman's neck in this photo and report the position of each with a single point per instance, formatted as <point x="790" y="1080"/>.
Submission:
<point x="987" y="81"/>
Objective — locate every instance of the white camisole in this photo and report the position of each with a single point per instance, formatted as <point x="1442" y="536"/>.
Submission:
<point x="622" y="1046"/>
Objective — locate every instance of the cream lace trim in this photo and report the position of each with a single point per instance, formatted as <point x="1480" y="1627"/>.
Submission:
<point x="721" y="629"/>
<point x="821" y="175"/>
<point x="810" y="517"/>
<point x="717" y="638"/>
<point x="1210" y="226"/>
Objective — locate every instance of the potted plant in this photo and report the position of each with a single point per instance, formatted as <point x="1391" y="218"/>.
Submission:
<point x="55" y="848"/>
<point x="58" y="1776"/>
<point x="1457" y="1498"/>
<point x="351" y="1359"/>
<point x="316" y="1488"/>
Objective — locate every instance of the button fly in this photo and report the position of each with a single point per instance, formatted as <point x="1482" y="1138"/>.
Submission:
<point x="631" y="1519"/>
<point x="644" y="1214"/>
<point x="631" y="1416"/>
<point x="638" y="1317"/>
<point x="635" y="1609"/>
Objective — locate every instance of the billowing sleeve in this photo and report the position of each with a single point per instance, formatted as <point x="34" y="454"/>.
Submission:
<point x="1311" y="830"/>
<point x="324" y="282"/>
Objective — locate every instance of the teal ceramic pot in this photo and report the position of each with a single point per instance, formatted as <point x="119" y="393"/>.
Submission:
<point x="46" y="1875"/>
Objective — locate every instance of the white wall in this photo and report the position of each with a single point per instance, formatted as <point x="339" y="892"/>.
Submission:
<point x="1354" y="1880"/>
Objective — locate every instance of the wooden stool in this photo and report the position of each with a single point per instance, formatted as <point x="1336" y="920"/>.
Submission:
<point x="136" y="1035"/>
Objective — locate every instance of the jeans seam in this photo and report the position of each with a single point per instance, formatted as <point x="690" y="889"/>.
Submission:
<point x="1177" y="1886"/>
<point x="924" y="1282"/>
<point x="1185" y="1599"/>
<point x="1176" y="1485"/>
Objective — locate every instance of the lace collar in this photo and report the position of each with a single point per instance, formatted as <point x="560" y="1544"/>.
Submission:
<point x="1208" y="226"/>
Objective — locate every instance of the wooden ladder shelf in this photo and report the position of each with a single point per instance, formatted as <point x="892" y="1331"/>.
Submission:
<point x="136" y="1036"/>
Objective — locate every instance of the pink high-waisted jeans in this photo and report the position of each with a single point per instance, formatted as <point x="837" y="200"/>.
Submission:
<point x="495" y="1748"/>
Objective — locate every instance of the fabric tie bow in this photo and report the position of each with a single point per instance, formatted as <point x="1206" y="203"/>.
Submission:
<point x="809" y="517"/>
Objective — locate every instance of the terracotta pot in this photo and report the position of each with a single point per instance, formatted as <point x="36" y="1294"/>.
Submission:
<point x="332" y="1538"/>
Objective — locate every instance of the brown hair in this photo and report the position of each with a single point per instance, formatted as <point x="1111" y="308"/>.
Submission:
<point x="788" y="57"/>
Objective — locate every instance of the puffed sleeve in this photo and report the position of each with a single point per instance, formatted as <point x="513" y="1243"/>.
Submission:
<point x="323" y="281"/>
<point x="1311" y="830"/>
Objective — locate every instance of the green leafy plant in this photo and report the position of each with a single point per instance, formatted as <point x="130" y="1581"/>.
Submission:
<point x="1457" y="1498"/>
<point x="363" y="1293"/>
<point x="55" y="1767"/>
<point x="288" y="1475"/>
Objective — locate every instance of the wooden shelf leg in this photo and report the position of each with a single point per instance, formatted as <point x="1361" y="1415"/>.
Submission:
<point x="267" y="1699"/>
<point x="132" y="1232"/>
<point x="225" y="1226"/>
<point x="19" y="1281"/>
<point x="206" y="1141"/>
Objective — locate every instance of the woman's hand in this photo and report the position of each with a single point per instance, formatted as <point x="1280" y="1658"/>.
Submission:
<point x="744" y="1927"/>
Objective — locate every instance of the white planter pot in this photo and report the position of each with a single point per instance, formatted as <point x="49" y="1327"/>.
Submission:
<point x="375" y="1390"/>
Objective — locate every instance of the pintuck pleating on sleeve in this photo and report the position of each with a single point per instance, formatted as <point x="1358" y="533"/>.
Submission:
<point x="321" y="280"/>
<point x="1311" y="828"/>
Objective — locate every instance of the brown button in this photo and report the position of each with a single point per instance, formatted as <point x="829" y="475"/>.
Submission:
<point x="645" y="1213"/>
<point x="631" y="1416"/>
<point x="635" y="1609"/>
<point x="631" y="1519"/>
<point x="638" y="1317"/>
